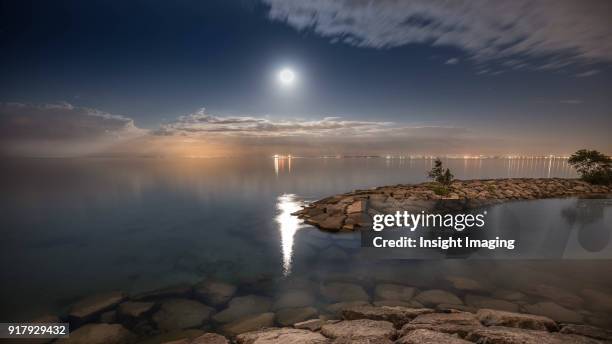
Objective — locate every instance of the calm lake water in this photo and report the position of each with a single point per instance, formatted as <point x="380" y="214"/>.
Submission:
<point x="74" y="227"/>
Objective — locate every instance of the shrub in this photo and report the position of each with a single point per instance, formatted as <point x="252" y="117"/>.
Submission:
<point x="593" y="166"/>
<point x="440" y="175"/>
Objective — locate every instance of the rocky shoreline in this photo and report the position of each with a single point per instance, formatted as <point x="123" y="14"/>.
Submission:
<point x="354" y="210"/>
<point x="212" y="313"/>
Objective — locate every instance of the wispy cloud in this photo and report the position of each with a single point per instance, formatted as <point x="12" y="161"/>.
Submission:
<point x="556" y="32"/>
<point x="452" y="61"/>
<point x="587" y="73"/>
<point x="571" y="101"/>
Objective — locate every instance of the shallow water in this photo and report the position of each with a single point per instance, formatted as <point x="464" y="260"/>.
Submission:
<point x="74" y="227"/>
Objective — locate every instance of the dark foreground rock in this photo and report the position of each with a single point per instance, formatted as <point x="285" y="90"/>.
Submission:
<point x="354" y="210"/>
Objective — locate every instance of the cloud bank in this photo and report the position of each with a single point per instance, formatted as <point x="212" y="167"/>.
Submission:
<point x="561" y="32"/>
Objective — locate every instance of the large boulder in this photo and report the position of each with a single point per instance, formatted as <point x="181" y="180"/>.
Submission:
<point x="100" y="334"/>
<point x="242" y="306"/>
<point x="214" y="293"/>
<point x="281" y="335"/>
<point x="178" y="314"/>
<point x="363" y="328"/>
<point x="290" y="316"/>
<point x="429" y="337"/>
<point x="249" y="323"/>
<point x="554" y="311"/>
<point x="312" y="324"/>
<point x="389" y="291"/>
<point x="478" y="301"/>
<point x="436" y="296"/>
<point x="293" y="299"/>
<point x="343" y="292"/>
<point x="396" y="315"/>
<point x="460" y="323"/>
<point x="491" y="317"/>
<point x="90" y="307"/>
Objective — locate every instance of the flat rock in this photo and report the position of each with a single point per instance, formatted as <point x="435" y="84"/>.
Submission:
<point x="491" y="317"/>
<point x="358" y="206"/>
<point x="174" y="336"/>
<point x="89" y="307"/>
<point x="370" y="340"/>
<point x="436" y="296"/>
<point x="587" y="331"/>
<point x="554" y="311"/>
<point x="281" y="335"/>
<point x="396" y="315"/>
<point x="178" y="314"/>
<point x="460" y="323"/>
<point x="430" y="337"/>
<point x="100" y="334"/>
<point x="363" y="328"/>
<point x="511" y="335"/>
<point x="343" y="292"/>
<point x="312" y="324"/>
<point x="249" y="323"/>
<point x="135" y="309"/>
<point x="332" y="223"/>
<point x="293" y="299"/>
<point x="444" y="307"/>
<point x="464" y="283"/>
<point x="337" y="308"/>
<point x="242" y="306"/>
<point x="290" y="316"/>
<point x="214" y="293"/>
<point x="207" y="338"/>
<point x="389" y="291"/>
<point x="478" y="301"/>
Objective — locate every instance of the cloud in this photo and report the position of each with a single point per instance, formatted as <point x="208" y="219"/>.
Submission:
<point x="571" y="101"/>
<point x="557" y="32"/>
<point x="587" y="73"/>
<point x="452" y="61"/>
<point x="60" y="129"/>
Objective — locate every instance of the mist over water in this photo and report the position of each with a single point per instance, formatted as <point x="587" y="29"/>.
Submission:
<point x="74" y="227"/>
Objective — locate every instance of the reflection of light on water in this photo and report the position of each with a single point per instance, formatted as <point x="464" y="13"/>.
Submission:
<point x="288" y="226"/>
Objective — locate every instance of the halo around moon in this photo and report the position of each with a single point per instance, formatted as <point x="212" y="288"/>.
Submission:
<point x="286" y="76"/>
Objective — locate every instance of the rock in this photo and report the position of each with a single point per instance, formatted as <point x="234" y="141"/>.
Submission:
<point x="429" y="337"/>
<point x="312" y="324"/>
<point x="249" y="323"/>
<point x="281" y="335"/>
<point x="394" y="303"/>
<point x="207" y="338"/>
<point x="435" y="296"/>
<point x="460" y="323"/>
<point x="178" y="314"/>
<point x="478" y="301"/>
<point x="343" y="292"/>
<point x="242" y="306"/>
<point x="290" y="316"/>
<point x="332" y="223"/>
<point x="509" y="295"/>
<point x="293" y="299"/>
<point x="358" y="206"/>
<point x="88" y="308"/>
<point x="100" y="334"/>
<point x="394" y="292"/>
<point x="371" y="340"/>
<point x="558" y="295"/>
<point x="135" y="309"/>
<point x="448" y="307"/>
<point x="175" y="336"/>
<point x="554" y="311"/>
<point x="598" y="300"/>
<point x="396" y="315"/>
<point x="177" y="291"/>
<point x="108" y="317"/>
<point x="490" y="317"/>
<point x="587" y="331"/>
<point x="358" y="220"/>
<point x="337" y="308"/>
<point x="464" y="283"/>
<point x="214" y="293"/>
<point x="511" y="335"/>
<point x="363" y="328"/>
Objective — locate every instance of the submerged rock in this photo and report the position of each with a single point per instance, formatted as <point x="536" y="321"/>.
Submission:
<point x="464" y="283"/>
<point x="290" y="316"/>
<point x="249" y="323"/>
<point x="214" y="293"/>
<point x="478" y="301"/>
<point x="312" y="324"/>
<point x="490" y="317"/>
<point x="363" y="328"/>
<point x="178" y="314"/>
<point x="293" y="299"/>
<point x="88" y="308"/>
<point x="100" y="334"/>
<point x="134" y="309"/>
<point x="281" y="335"/>
<point x="436" y="296"/>
<point x="554" y="311"/>
<point x="242" y="306"/>
<point x="343" y="292"/>
<point x="587" y="331"/>
<point x="388" y="291"/>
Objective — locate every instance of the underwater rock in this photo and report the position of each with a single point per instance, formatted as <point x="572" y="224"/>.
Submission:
<point x="178" y="314"/>
<point x="89" y="307"/>
<point x="249" y="323"/>
<point x="242" y="306"/>
<point x="363" y="328"/>
<point x="290" y="316"/>
<point x="491" y="317"/>
<point x="343" y="292"/>
<point x="100" y="334"/>
<point x="436" y="296"/>
<point x="214" y="293"/>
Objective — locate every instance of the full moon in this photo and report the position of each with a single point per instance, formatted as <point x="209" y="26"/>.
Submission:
<point x="286" y="76"/>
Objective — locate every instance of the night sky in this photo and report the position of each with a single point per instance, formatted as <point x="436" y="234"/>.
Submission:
<point x="134" y="77"/>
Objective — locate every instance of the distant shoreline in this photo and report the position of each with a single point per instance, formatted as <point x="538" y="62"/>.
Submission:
<point x="354" y="210"/>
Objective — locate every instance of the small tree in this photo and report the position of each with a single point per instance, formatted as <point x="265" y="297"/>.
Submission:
<point x="439" y="174"/>
<point x="593" y="166"/>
